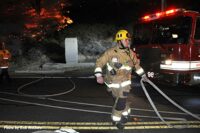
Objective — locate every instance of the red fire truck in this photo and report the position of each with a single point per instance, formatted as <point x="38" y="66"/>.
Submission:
<point x="168" y="45"/>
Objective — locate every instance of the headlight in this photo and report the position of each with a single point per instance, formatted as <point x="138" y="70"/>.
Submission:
<point x="168" y="62"/>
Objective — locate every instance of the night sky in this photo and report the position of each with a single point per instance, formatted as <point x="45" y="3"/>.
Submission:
<point x="122" y="11"/>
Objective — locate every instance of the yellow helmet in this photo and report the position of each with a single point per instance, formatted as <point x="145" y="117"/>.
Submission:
<point x="122" y="34"/>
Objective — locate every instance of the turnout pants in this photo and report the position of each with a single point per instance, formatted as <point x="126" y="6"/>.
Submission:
<point x="121" y="104"/>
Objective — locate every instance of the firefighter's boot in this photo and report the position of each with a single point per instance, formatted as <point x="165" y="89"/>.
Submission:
<point x="125" y="119"/>
<point x="116" y="120"/>
<point x="125" y="116"/>
<point x="119" y="125"/>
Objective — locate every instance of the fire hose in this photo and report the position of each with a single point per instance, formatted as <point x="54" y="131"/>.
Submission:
<point x="145" y="91"/>
<point x="44" y="96"/>
<point x="166" y="97"/>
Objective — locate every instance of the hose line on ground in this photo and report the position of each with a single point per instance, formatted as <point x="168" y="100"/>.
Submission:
<point x="43" y="96"/>
<point x="144" y="89"/>
<point x="169" y="99"/>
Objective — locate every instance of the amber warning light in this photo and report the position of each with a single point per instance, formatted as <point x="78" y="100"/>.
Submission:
<point x="161" y="14"/>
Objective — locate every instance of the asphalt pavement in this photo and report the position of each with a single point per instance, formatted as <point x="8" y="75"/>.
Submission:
<point x="74" y="102"/>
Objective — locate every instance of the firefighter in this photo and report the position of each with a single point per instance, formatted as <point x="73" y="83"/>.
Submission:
<point x="119" y="61"/>
<point x="4" y="62"/>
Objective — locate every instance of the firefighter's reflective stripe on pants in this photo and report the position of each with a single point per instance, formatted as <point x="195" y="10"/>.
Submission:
<point x="123" y="84"/>
<point x="127" y="112"/>
<point x="116" y="118"/>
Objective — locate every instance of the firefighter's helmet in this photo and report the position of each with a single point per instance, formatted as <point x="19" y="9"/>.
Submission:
<point x="122" y="34"/>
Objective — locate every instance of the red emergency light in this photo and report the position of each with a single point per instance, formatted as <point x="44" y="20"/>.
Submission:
<point x="160" y="14"/>
<point x="170" y="12"/>
<point x="146" y="17"/>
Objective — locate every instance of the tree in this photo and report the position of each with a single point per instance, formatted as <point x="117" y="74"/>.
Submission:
<point x="34" y="18"/>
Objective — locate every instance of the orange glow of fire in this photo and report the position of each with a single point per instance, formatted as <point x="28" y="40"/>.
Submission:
<point x="30" y="26"/>
<point x="45" y="14"/>
<point x="36" y="26"/>
<point x="31" y="12"/>
<point x="58" y="16"/>
<point x="42" y="11"/>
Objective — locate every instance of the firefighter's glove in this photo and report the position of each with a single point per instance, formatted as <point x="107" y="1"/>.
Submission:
<point x="118" y="65"/>
<point x="113" y="72"/>
<point x="100" y="80"/>
<point x="144" y="78"/>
